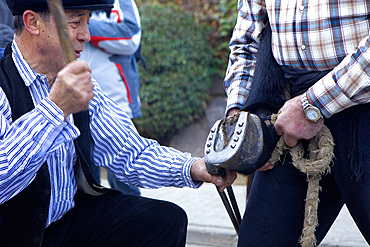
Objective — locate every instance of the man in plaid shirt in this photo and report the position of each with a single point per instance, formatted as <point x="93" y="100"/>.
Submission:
<point x="325" y="47"/>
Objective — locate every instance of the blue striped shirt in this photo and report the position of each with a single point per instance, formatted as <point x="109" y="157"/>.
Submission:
<point x="42" y="135"/>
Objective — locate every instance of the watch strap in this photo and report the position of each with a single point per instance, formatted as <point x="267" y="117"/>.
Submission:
<point x="306" y="104"/>
<point x="304" y="101"/>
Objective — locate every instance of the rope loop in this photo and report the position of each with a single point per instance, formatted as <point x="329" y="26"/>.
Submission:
<point x="320" y="154"/>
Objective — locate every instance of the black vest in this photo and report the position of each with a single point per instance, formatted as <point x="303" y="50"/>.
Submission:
<point x="23" y="218"/>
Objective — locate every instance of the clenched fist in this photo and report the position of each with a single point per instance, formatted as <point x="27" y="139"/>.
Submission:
<point x="73" y="89"/>
<point x="293" y="124"/>
<point x="198" y="172"/>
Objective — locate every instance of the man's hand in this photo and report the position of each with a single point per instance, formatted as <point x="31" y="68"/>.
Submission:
<point x="292" y="122"/>
<point x="233" y="111"/>
<point x="199" y="172"/>
<point x="266" y="167"/>
<point x="72" y="89"/>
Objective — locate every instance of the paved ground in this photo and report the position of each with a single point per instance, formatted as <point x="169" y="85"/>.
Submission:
<point x="209" y="224"/>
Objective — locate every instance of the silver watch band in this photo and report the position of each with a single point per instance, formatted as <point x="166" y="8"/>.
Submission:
<point x="310" y="109"/>
<point x="304" y="101"/>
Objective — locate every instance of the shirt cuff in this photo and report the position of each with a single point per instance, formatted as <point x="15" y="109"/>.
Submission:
<point x="51" y="111"/>
<point x="234" y="101"/>
<point x="329" y="97"/>
<point x="55" y="116"/>
<point x="186" y="173"/>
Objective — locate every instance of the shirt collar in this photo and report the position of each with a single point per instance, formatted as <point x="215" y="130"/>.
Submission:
<point x="28" y="75"/>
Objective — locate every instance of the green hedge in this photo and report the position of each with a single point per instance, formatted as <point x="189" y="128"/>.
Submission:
<point x="220" y="15"/>
<point x="175" y="84"/>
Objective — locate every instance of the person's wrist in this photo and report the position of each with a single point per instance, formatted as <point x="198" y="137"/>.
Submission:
<point x="309" y="98"/>
<point x="311" y="112"/>
<point x="233" y="111"/>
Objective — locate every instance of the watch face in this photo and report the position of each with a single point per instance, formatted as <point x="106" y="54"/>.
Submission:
<point x="312" y="114"/>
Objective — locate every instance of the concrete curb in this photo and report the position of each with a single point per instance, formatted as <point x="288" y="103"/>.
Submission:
<point x="211" y="236"/>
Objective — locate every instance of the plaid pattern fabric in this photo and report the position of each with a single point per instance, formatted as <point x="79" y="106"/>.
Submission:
<point x="312" y="35"/>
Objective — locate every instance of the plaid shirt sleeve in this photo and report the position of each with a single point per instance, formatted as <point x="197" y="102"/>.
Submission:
<point x="348" y="84"/>
<point x="310" y="35"/>
<point x="243" y="47"/>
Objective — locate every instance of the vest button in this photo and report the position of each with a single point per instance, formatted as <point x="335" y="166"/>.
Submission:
<point x="36" y="240"/>
<point x="41" y="216"/>
<point x="46" y="192"/>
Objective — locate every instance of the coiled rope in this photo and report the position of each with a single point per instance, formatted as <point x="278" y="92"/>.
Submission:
<point x="320" y="155"/>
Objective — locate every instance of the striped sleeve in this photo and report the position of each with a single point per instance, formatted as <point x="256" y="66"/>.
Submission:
<point x="26" y="143"/>
<point x="131" y="158"/>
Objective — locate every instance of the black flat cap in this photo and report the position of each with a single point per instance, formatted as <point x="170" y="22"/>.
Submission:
<point x="17" y="7"/>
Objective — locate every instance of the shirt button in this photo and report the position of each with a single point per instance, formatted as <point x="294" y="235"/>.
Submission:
<point x="303" y="47"/>
<point x="301" y="8"/>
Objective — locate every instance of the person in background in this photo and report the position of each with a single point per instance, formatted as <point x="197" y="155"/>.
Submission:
<point x="323" y="49"/>
<point x="6" y="26"/>
<point x="111" y="54"/>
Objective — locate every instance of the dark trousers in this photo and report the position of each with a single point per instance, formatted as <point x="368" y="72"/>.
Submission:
<point x="275" y="209"/>
<point x="115" y="219"/>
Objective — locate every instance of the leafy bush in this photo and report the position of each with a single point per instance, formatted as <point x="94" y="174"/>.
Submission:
<point x="220" y="15"/>
<point x="175" y="84"/>
<point x="224" y="19"/>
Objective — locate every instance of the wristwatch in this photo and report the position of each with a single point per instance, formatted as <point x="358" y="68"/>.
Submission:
<point x="311" y="112"/>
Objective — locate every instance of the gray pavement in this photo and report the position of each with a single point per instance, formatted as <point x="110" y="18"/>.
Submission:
<point x="209" y="224"/>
